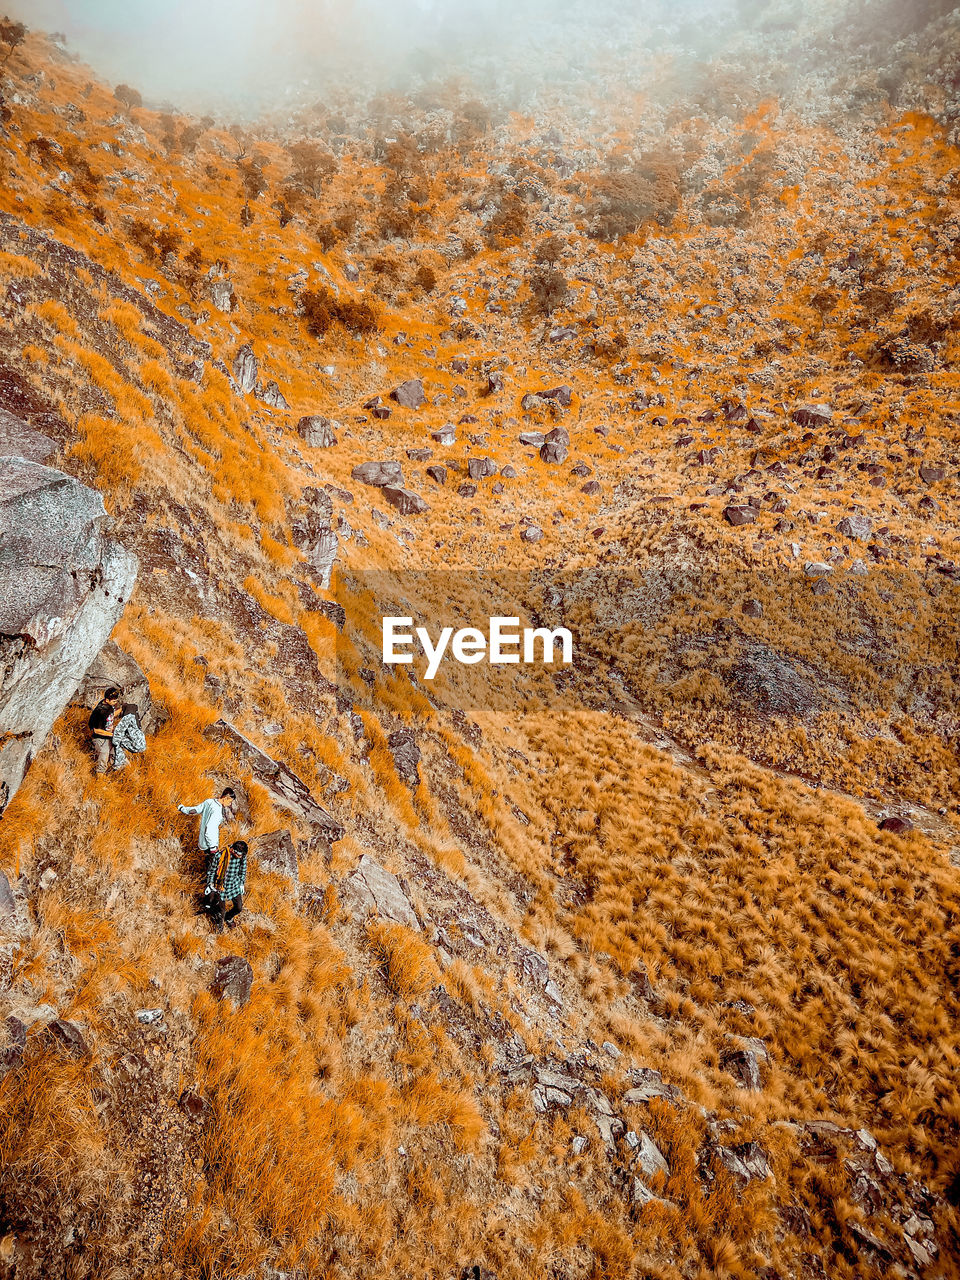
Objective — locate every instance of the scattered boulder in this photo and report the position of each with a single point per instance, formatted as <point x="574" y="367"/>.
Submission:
<point x="817" y="568"/>
<point x="406" y="501"/>
<point x="931" y="474"/>
<point x="509" y="473"/>
<point x="479" y="468"/>
<point x="376" y="891"/>
<point x="532" y="439"/>
<point x="272" y="396"/>
<point x="591" y="488"/>
<point x="648" y="1083"/>
<point x="744" y="1067"/>
<point x="275" y="852"/>
<point x="379" y="474"/>
<point x="437" y="474"/>
<point x="562" y="396"/>
<point x="232" y="980"/>
<point x="316" y="431"/>
<point x="63" y="585"/>
<point x="419" y="455"/>
<point x="67" y="1037"/>
<point x="858" y="528"/>
<point x="738" y="515"/>
<point x="221" y="294"/>
<point x="447" y="435"/>
<point x="409" y="394"/>
<point x="285" y="788"/>
<point x="532" y="533"/>
<point x="896" y="823"/>
<point x="747" y="1161"/>
<point x="245" y="369"/>
<point x="376" y="406"/>
<point x="647" y="1156"/>
<point x="812" y="415"/>
<point x="752" y="609"/>
<point x="406" y="756"/>
<point x="553" y="452"/>
<point x="467" y="491"/>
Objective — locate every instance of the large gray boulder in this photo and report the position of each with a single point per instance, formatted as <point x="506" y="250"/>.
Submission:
<point x="316" y="431"/>
<point x="245" y="369"/>
<point x="19" y="440"/>
<point x="378" y="474"/>
<point x="313" y="534"/>
<point x="376" y="891"/>
<point x="63" y="586"/>
<point x="112" y="666"/>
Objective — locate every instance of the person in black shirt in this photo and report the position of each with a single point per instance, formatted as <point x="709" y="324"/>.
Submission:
<point x="102" y="720"/>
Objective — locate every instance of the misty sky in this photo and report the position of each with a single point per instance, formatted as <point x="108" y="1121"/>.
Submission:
<point x="211" y="53"/>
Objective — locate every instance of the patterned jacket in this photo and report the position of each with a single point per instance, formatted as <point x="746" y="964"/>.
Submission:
<point x="226" y="873"/>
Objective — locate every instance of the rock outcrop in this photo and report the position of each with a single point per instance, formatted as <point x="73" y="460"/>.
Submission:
<point x="112" y="666"/>
<point x="63" y="585"/>
<point x="285" y="788"/>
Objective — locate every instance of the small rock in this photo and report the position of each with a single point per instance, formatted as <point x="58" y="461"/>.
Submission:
<point x="409" y="394"/>
<point x="817" y="568"/>
<point x="148" y="1016"/>
<point x="591" y="488"/>
<point x="752" y="609"/>
<point x="316" y="431"/>
<point x="897" y="823"/>
<point x="437" y="474"/>
<point x="858" y="528"/>
<point x="553" y="453"/>
<point x="532" y="533"/>
<point x="233" y="980"/>
<point x="379" y="474"/>
<point x="743" y="1066"/>
<point x="406" y="501"/>
<point x="479" y="468"/>
<point x="739" y="515"/>
<point x="931" y="474"/>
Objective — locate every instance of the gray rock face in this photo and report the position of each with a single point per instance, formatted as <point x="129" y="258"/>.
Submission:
<point x="114" y="667"/>
<point x="378" y="474"/>
<point x="245" y="369"/>
<point x="273" y="396"/>
<point x="221" y="295"/>
<point x="406" y="756"/>
<point x="406" y="501"/>
<point x="232" y="980"/>
<point x="316" y="431"/>
<point x="744" y="1067"/>
<point x="533" y="439"/>
<point x="858" y="528"/>
<point x="812" y="415"/>
<point x="19" y="440"/>
<point x="313" y="534"/>
<point x="285" y="788"/>
<point x="409" y="394"/>
<point x="747" y="1160"/>
<point x="553" y="453"/>
<point x="63" y="585"/>
<point x="648" y="1158"/>
<point x="275" y="852"/>
<point x="376" y="891"/>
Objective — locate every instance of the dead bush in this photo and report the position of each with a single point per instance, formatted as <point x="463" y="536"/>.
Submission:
<point x="548" y="289"/>
<point x="623" y="202"/>
<point x="321" y="310"/>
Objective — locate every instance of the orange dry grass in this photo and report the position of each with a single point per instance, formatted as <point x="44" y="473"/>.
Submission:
<point x="407" y="964"/>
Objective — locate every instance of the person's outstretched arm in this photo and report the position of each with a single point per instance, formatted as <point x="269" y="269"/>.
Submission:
<point x="189" y="808"/>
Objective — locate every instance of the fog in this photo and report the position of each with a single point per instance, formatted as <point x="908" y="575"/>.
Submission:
<point x="243" y="55"/>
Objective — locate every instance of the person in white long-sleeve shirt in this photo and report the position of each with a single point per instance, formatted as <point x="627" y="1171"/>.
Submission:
<point x="213" y="813"/>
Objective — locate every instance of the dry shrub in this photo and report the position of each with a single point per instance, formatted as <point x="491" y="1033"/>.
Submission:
<point x="508" y="223"/>
<point x="156" y="242"/>
<point x="622" y="202"/>
<point x="322" y="310"/>
<point x="405" y="961"/>
<point x="548" y="289"/>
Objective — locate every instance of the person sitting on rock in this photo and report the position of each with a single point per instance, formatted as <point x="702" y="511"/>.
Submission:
<point x="128" y="735"/>
<point x="101" y="722"/>
<point x="213" y="813"/>
<point x="226" y="882"/>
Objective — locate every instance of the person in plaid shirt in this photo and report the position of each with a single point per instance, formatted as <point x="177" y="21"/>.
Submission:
<point x="226" y="882"/>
